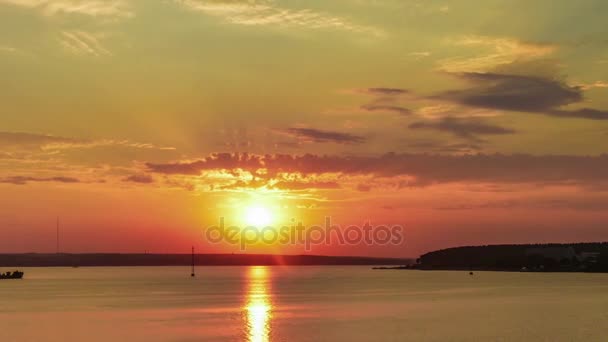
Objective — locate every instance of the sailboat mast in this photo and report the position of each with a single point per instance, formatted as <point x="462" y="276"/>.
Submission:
<point x="57" y="237"/>
<point x="192" y="275"/>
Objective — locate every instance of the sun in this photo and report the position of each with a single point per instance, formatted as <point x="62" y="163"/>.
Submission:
<point x="258" y="216"/>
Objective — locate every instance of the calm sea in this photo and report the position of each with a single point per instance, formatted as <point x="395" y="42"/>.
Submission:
<point x="300" y="304"/>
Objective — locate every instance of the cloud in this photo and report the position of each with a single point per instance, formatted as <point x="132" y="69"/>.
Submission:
<point x="464" y="128"/>
<point x="504" y="51"/>
<point x="32" y="140"/>
<point x="520" y="93"/>
<point x="442" y="110"/>
<point x="512" y="92"/>
<point x="386" y="108"/>
<point x="515" y="76"/>
<point x="381" y="91"/>
<point x="295" y="185"/>
<point x="8" y="49"/>
<point x="321" y="136"/>
<point x="140" y="178"/>
<point x="93" y="8"/>
<point x="28" y="141"/>
<point x="419" y="54"/>
<point x="274" y="184"/>
<point x="584" y="113"/>
<point x="83" y="43"/>
<point x="421" y="169"/>
<point x="528" y="87"/>
<point x="442" y="148"/>
<point x="22" y="180"/>
<point x="385" y="99"/>
<point x="596" y="84"/>
<point x="265" y="12"/>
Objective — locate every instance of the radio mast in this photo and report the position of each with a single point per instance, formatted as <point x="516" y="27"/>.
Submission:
<point x="57" y="237"/>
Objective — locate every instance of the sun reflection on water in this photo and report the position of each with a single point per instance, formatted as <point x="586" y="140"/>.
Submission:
<point x="258" y="306"/>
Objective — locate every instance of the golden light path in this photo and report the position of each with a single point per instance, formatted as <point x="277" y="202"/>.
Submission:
<point x="258" y="305"/>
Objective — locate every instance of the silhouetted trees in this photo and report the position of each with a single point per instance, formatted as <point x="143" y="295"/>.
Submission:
<point x="591" y="257"/>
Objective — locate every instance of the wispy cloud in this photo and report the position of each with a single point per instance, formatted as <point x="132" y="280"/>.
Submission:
<point x="419" y="54"/>
<point x="433" y="146"/>
<point x="378" y="107"/>
<point x="94" y="8"/>
<point x="596" y="84"/>
<point x="503" y="51"/>
<point x="468" y="129"/>
<point x="139" y="178"/>
<point x="442" y="110"/>
<point x="321" y="136"/>
<point x="379" y="91"/>
<point x="265" y="12"/>
<point x="83" y="43"/>
<point x="33" y="140"/>
<point x="22" y="180"/>
<point x="29" y="141"/>
<point x="8" y="49"/>
<point x="385" y="100"/>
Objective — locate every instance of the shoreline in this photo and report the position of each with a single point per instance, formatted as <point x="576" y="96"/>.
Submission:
<point x="160" y="260"/>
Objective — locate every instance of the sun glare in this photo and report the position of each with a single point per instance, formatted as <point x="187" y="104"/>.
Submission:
<point x="258" y="216"/>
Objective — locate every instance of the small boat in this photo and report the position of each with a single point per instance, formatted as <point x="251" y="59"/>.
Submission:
<point x="193" y="274"/>
<point x="13" y="275"/>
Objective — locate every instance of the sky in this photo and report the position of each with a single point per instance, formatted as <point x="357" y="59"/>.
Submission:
<point x="140" y="123"/>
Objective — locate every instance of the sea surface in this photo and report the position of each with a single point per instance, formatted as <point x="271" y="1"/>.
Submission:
<point x="301" y="303"/>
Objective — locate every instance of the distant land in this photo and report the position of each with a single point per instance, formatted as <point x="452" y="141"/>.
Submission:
<point x="567" y="257"/>
<point x="110" y="259"/>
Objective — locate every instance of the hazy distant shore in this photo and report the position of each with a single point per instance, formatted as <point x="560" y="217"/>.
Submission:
<point x="111" y="259"/>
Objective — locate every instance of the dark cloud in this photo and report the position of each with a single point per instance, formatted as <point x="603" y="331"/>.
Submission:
<point x="424" y="168"/>
<point x="386" y="91"/>
<point x="386" y="108"/>
<point x="464" y="128"/>
<point x="513" y="92"/>
<point x="522" y="94"/>
<point x="22" y="180"/>
<point x="385" y="100"/>
<point x="320" y="136"/>
<point x="439" y="147"/>
<point x="143" y="179"/>
<point x="584" y="113"/>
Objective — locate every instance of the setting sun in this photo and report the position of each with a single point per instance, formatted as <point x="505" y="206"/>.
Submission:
<point x="258" y="216"/>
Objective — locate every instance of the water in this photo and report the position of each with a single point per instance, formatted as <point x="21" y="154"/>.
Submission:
<point x="300" y="304"/>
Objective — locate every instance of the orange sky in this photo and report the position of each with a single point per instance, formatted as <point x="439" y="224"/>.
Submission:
<point x="142" y="123"/>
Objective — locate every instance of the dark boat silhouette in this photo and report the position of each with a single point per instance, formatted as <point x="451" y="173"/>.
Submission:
<point x="193" y="274"/>
<point x="13" y="275"/>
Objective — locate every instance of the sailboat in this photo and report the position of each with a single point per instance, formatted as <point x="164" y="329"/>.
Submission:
<point x="192" y="274"/>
